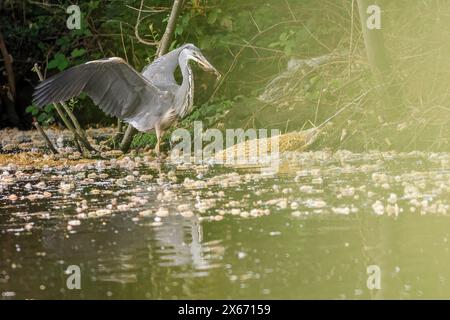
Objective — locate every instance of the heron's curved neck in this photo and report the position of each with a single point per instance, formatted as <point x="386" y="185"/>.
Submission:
<point x="185" y="94"/>
<point x="183" y="62"/>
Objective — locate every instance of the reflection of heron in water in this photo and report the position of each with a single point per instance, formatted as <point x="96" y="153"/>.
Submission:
<point x="180" y="242"/>
<point x="177" y="242"/>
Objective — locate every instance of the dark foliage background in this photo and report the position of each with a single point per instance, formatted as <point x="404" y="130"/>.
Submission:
<point x="251" y="42"/>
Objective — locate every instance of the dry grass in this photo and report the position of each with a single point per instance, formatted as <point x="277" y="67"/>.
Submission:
<point x="292" y="141"/>
<point x="36" y="160"/>
<point x="418" y="42"/>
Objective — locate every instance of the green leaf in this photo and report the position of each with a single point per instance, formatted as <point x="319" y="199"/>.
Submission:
<point x="288" y="47"/>
<point x="94" y="4"/>
<point x="179" y="30"/>
<point x="52" y="64"/>
<point x="59" y="61"/>
<point x="48" y="108"/>
<point x="87" y="32"/>
<point x="30" y="109"/>
<point x="78" y="52"/>
<point x="173" y="45"/>
<point x="185" y="20"/>
<point x="63" y="41"/>
<point x="227" y="22"/>
<point x="42" y="117"/>
<point x="212" y="16"/>
<point x="273" y="44"/>
<point x="63" y="65"/>
<point x="49" y="120"/>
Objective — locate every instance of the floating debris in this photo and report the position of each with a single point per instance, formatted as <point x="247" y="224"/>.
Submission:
<point x="99" y="213"/>
<point x="378" y="208"/>
<point x="162" y="212"/>
<point x="13" y="197"/>
<point x="341" y="210"/>
<point x="146" y="177"/>
<point x="74" y="223"/>
<point x="146" y="213"/>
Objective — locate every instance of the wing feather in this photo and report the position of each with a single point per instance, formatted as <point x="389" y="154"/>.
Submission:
<point x="111" y="83"/>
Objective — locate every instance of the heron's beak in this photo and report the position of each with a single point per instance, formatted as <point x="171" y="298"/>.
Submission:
<point x="205" y="65"/>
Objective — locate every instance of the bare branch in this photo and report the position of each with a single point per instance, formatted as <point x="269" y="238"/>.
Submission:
<point x="153" y="10"/>
<point x="8" y="65"/>
<point x="165" y="40"/>
<point x="136" y="28"/>
<point x="44" y="135"/>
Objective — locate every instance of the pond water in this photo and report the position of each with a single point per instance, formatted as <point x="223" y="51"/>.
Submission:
<point x="145" y="230"/>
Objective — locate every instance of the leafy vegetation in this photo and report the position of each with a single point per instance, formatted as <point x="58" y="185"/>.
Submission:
<point x="251" y="42"/>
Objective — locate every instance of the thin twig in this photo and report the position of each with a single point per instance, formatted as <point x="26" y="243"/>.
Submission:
<point x="254" y="22"/>
<point x="45" y="136"/>
<point x="123" y="42"/>
<point x="47" y="5"/>
<point x="136" y="28"/>
<point x="76" y="123"/>
<point x="290" y="10"/>
<point x="248" y="43"/>
<point x="155" y="10"/>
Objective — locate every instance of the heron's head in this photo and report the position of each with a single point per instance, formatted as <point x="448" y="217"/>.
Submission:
<point x="194" y="53"/>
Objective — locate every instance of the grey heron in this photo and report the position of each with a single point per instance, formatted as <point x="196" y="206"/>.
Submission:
<point x="148" y="100"/>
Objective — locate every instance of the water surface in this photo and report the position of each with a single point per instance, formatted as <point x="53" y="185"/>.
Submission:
<point x="200" y="232"/>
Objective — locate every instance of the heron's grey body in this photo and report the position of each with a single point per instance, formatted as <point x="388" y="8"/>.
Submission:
<point x="147" y="101"/>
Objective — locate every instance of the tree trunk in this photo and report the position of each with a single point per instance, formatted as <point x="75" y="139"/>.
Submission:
<point x="373" y="39"/>
<point x="378" y="57"/>
<point x="163" y="46"/>
<point x="8" y="66"/>
<point x="10" y="100"/>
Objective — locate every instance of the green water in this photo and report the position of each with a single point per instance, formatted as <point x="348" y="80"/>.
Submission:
<point x="313" y="235"/>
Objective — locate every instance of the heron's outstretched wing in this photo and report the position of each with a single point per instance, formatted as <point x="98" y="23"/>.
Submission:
<point x="113" y="85"/>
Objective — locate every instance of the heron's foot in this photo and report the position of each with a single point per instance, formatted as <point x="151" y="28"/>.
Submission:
<point x="160" y="154"/>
